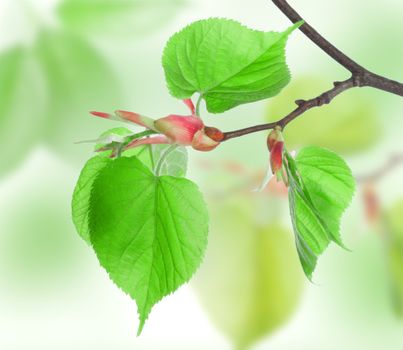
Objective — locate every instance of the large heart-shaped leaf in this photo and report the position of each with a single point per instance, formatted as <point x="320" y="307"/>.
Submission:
<point x="226" y="62"/>
<point x="175" y="164"/>
<point x="148" y="232"/>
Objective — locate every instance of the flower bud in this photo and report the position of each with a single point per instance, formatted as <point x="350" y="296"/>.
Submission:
<point x="136" y="118"/>
<point x="180" y="129"/>
<point x="274" y="136"/>
<point x="275" y="143"/>
<point x="202" y="142"/>
<point x="214" y="133"/>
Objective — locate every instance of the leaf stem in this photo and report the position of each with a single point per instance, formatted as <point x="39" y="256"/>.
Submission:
<point x="198" y="105"/>
<point x="163" y="157"/>
<point x="150" y="152"/>
<point x="139" y="135"/>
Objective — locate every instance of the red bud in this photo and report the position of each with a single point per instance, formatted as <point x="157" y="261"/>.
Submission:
<point x="214" y="133"/>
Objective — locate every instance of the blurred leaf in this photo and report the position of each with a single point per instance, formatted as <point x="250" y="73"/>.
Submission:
<point x="116" y="17"/>
<point x="22" y="102"/>
<point x="38" y="251"/>
<point x="348" y="125"/>
<point x="158" y="226"/>
<point x="250" y="281"/>
<point x="321" y="188"/>
<point x="394" y="220"/>
<point x="226" y="62"/>
<point x="79" y="80"/>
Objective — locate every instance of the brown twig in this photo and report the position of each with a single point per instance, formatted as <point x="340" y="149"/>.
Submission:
<point x="360" y="77"/>
<point x="393" y="162"/>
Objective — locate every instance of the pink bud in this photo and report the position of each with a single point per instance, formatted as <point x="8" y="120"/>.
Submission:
<point x="153" y="140"/>
<point x="180" y="129"/>
<point x="276" y="157"/>
<point x="214" y="133"/>
<point x="275" y="143"/>
<point x="189" y="103"/>
<point x="101" y="115"/>
<point x="137" y="119"/>
<point x="201" y="142"/>
<point x="274" y="136"/>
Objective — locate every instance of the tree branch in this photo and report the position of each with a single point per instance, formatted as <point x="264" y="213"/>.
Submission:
<point x="360" y="77"/>
<point x="393" y="162"/>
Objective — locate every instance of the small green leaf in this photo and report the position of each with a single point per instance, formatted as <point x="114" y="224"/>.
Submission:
<point x="22" y="104"/>
<point x="148" y="232"/>
<point x="175" y="163"/>
<point x="330" y="184"/>
<point x="81" y="196"/>
<point x="116" y="17"/>
<point x="115" y="135"/>
<point x="321" y="188"/>
<point x="226" y="62"/>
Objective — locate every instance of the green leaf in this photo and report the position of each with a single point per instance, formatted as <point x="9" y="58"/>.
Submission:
<point x="78" y="79"/>
<point x="148" y="232"/>
<point x="22" y="102"/>
<point x="81" y="196"/>
<point x="116" y="17"/>
<point x="330" y="184"/>
<point x="226" y="62"/>
<point x="348" y="125"/>
<point x="321" y="188"/>
<point x="175" y="165"/>
<point x="250" y="282"/>
<point x="115" y="135"/>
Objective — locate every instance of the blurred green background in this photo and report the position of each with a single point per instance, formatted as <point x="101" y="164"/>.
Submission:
<point x="60" y="59"/>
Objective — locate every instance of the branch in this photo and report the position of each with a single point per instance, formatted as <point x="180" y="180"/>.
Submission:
<point x="303" y="106"/>
<point x="393" y="162"/>
<point x="359" y="77"/>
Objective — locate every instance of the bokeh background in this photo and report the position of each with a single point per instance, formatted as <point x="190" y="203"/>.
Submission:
<point x="60" y="59"/>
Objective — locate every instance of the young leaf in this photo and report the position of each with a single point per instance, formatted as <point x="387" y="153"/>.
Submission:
<point x="148" y="232"/>
<point x="175" y="163"/>
<point x="330" y="185"/>
<point x="226" y="62"/>
<point x="321" y="188"/>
